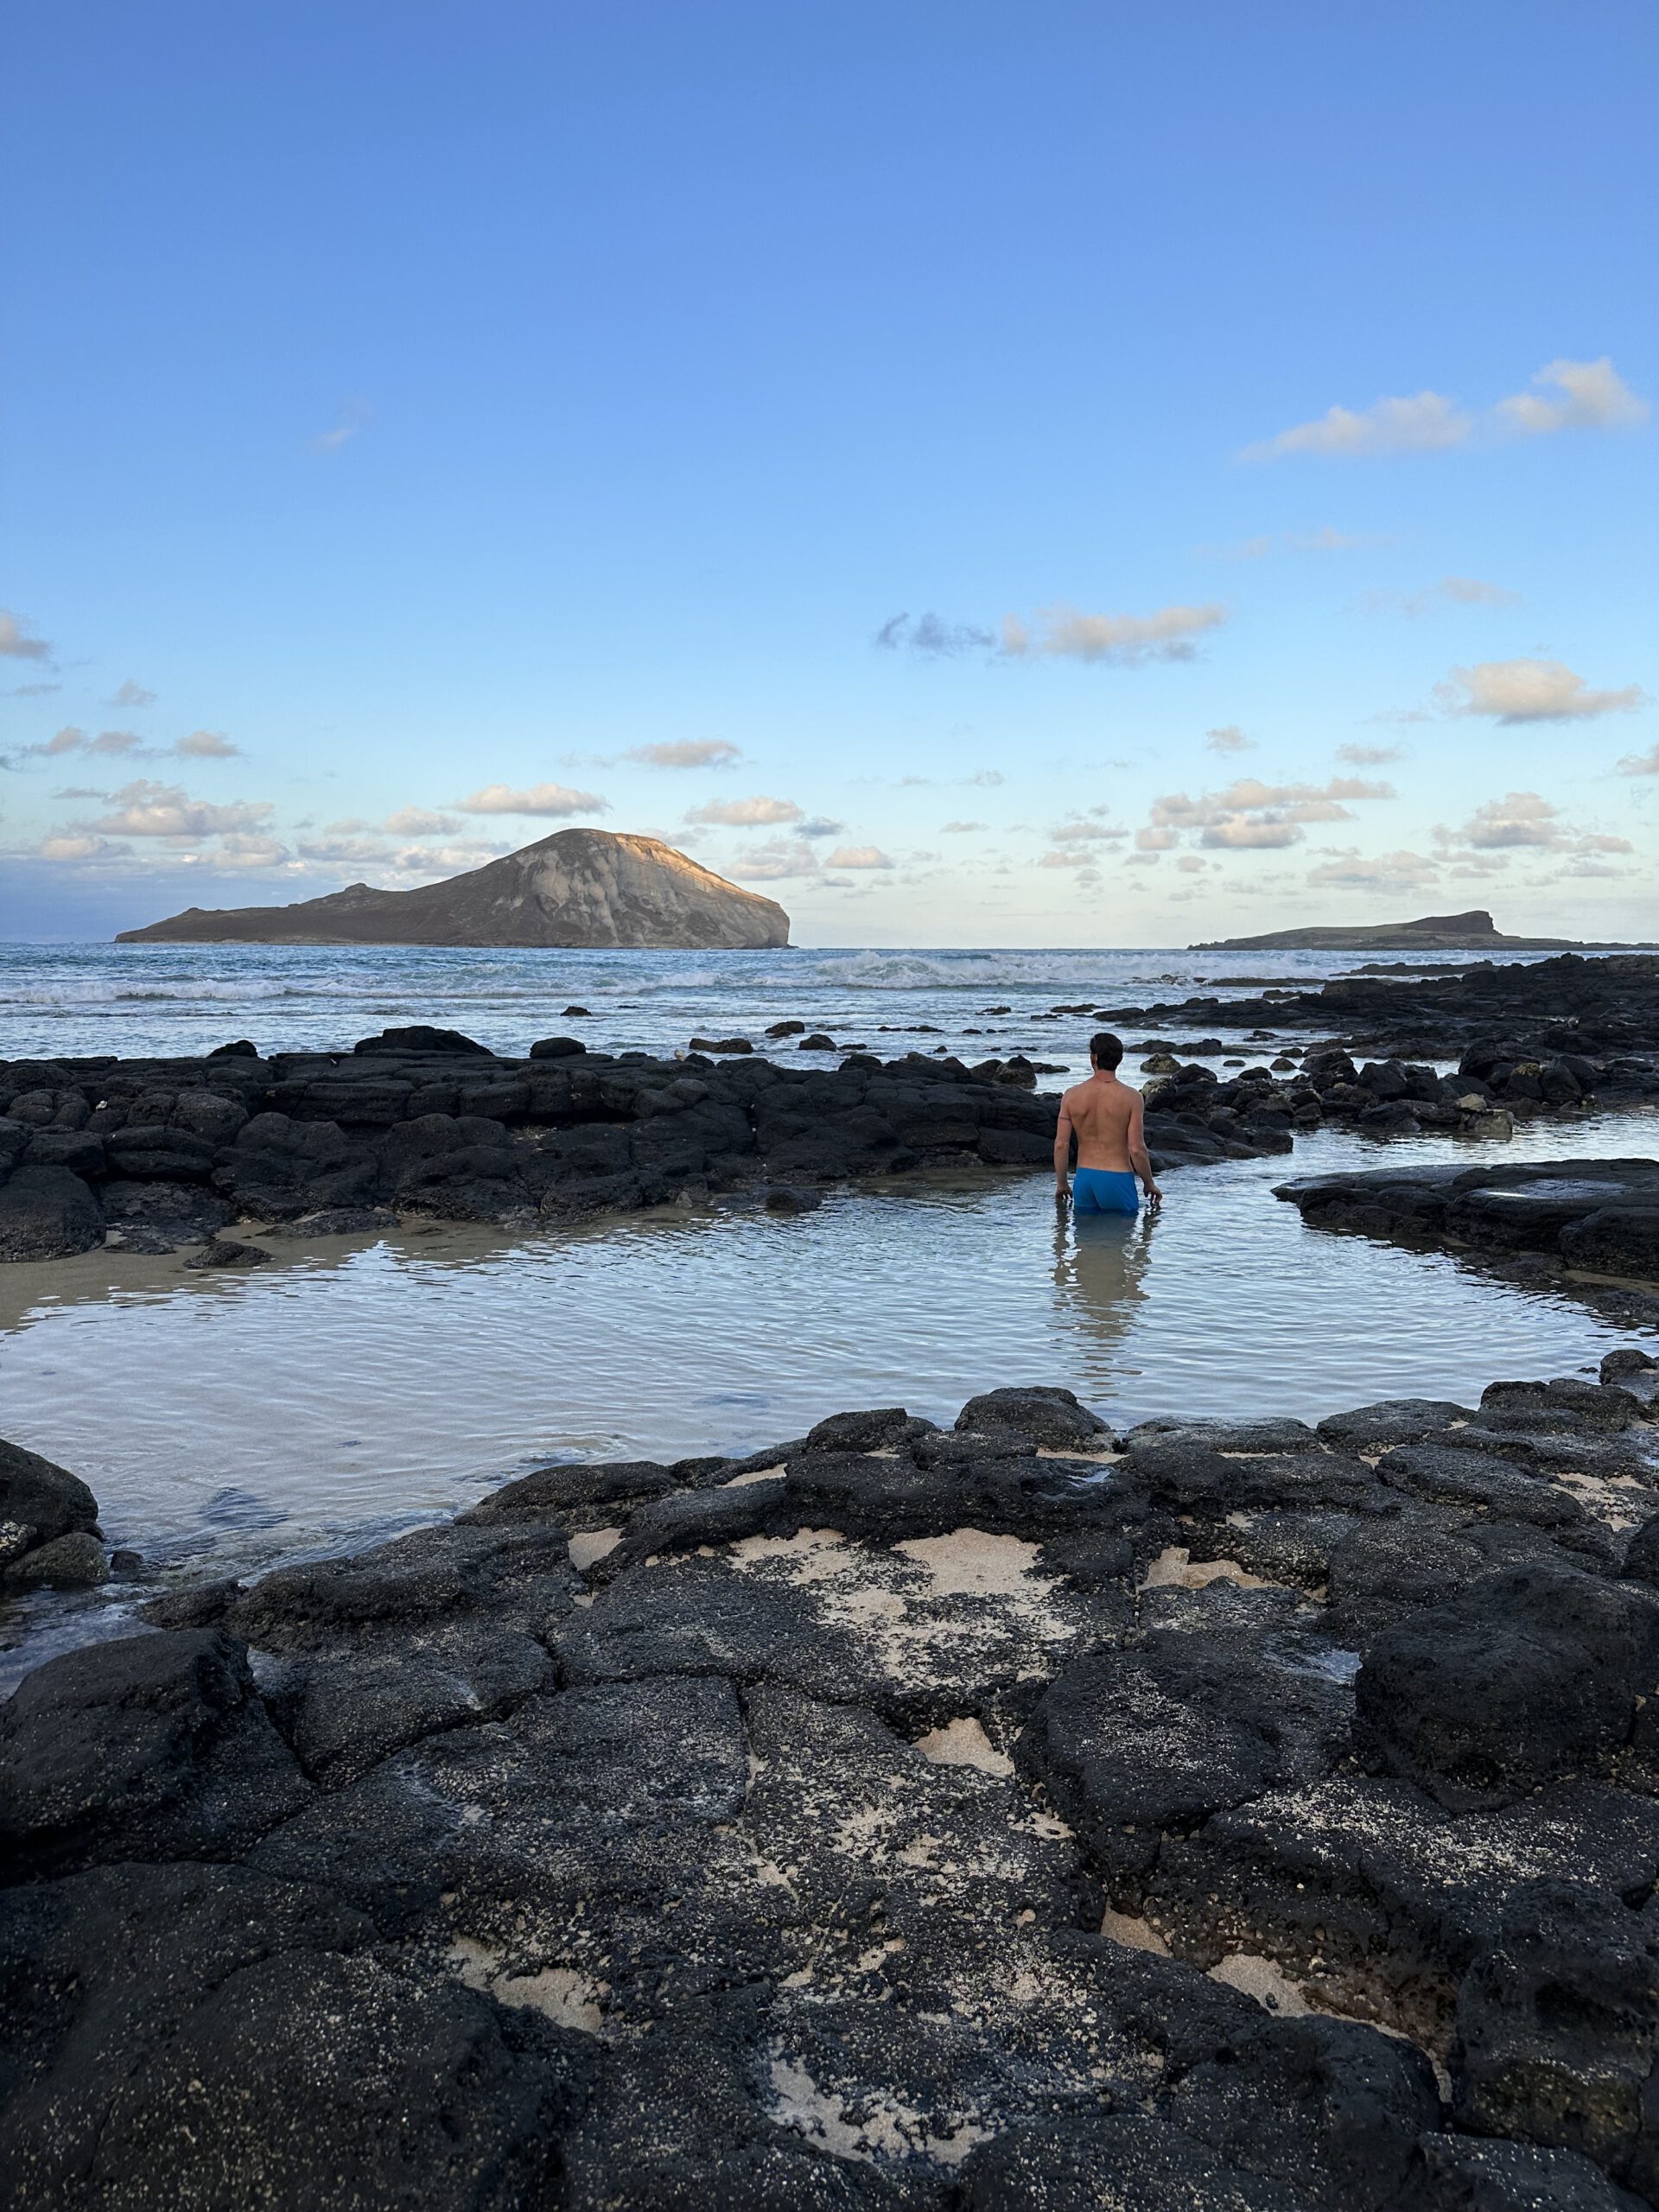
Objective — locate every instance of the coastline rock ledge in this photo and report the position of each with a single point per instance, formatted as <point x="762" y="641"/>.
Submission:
<point x="1223" y="1816"/>
<point x="577" y="889"/>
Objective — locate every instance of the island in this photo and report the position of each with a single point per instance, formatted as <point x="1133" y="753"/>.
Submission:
<point x="1474" y="932"/>
<point x="577" y="889"/>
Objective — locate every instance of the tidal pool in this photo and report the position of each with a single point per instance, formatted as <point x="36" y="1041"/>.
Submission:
<point x="227" y="1421"/>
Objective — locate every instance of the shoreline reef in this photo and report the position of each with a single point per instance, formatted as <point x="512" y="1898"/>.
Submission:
<point x="1011" y="1817"/>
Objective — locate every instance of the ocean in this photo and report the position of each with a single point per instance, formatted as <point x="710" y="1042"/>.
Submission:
<point x="127" y="999"/>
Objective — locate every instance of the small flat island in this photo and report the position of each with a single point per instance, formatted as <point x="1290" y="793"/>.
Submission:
<point x="576" y="889"/>
<point x="1474" y="932"/>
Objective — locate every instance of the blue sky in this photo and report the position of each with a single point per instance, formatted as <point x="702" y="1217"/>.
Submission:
<point x="887" y="450"/>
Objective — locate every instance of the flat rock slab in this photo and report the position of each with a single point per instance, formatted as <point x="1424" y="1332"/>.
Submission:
<point x="1598" y="1216"/>
<point x="895" y="1817"/>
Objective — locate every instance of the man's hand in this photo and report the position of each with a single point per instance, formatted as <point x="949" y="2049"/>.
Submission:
<point x="1154" y="1198"/>
<point x="1062" y="1194"/>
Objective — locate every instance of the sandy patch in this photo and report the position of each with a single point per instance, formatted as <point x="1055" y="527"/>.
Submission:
<point x="1255" y="1976"/>
<point x="1135" y="1934"/>
<point x="760" y="1475"/>
<point x="1618" y="1501"/>
<point x="968" y="1563"/>
<point x="1175" y="1569"/>
<point x="593" y="1545"/>
<point x="810" y="1555"/>
<point x="561" y="1994"/>
<point x="887" y="2130"/>
<point x="964" y="1743"/>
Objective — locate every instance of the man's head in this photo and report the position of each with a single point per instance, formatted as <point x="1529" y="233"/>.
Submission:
<point x="1105" y="1049"/>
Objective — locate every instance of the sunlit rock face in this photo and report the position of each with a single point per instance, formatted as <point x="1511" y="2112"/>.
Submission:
<point x="578" y="888"/>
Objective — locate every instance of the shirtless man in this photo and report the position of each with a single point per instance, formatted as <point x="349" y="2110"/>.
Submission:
<point x="1107" y="1119"/>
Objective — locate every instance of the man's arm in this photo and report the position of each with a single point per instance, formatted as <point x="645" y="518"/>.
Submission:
<point x="1062" y="1151"/>
<point x="1139" y="1158"/>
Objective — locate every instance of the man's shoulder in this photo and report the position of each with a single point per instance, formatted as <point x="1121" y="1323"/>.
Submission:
<point x="1090" y="1088"/>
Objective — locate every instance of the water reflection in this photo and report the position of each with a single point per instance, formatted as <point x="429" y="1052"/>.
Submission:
<point x="1099" y="1268"/>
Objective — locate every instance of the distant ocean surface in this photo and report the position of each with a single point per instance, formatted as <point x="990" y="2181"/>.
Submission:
<point x="72" y="999"/>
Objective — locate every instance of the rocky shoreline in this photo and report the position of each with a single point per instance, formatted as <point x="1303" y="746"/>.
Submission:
<point x="155" y="1154"/>
<point x="1250" y="1816"/>
<point x="1529" y="1036"/>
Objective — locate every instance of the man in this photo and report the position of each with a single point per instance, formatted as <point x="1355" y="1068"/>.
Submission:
<point x="1106" y="1118"/>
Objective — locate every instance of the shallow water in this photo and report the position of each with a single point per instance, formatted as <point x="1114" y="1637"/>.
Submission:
<point x="83" y="999"/>
<point x="225" y="1421"/>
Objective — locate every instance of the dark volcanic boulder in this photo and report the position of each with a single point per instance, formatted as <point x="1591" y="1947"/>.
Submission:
<point x="1558" y="2029"/>
<point x="419" y="1037"/>
<point x="1133" y="1744"/>
<point x="41" y="1495"/>
<point x="1614" y="1241"/>
<point x="1527" y="1676"/>
<point x="99" y="1971"/>
<point x="1111" y="2162"/>
<point x="47" y="1213"/>
<point x="153" y="1747"/>
<point x="1038" y="1416"/>
<point x="378" y="2086"/>
<point x="1330" y="2109"/>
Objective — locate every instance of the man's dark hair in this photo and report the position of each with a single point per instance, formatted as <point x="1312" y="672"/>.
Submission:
<point x="1105" y="1049"/>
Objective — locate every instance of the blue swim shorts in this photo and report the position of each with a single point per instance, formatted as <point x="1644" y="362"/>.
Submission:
<point x="1104" y="1190"/>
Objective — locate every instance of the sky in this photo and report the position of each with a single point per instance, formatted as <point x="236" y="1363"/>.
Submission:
<point x="1051" y="475"/>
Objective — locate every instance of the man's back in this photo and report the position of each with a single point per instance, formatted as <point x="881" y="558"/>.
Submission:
<point x="1101" y="1111"/>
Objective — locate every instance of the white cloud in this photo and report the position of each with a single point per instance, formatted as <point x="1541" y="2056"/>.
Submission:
<point x="425" y="862"/>
<point x="1567" y="395"/>
<point x="1530" y="691"/>
<point x="686" y="752"/>
<point x="420" y="822"/>
<point x="1450" y="591"/>
<point x="145" y="809"/>
<point x="1190" y="864"/>
<point x="747" y="813"/>
<point x="79" y="845"/>
<point x="1250" y="816"/>
<point x="820" y="825"/>
<point x="1228" y="738"/>
<point x="1371" y="756"/>
<point x="346" y="852"/>
<point x="1070" y="858"/>
<point x="1398" y="871"/>
<point x="552" y="800"/>
<point x="131" y="694"/>
<point x="1590" y="395"/>
<point x="16" y="642"/>
<point x="1427" y="423"/>
<point x="858" y="856"/>
<point x="778" y="858"/>
<point x="242" y="850"/>
<point x="1121" y="640"/>
<point x="1155" y="841"/>
<point x="983" y="779"/>
<point x="1087" y="832"/>
<point x="1255" y="833"/>
<point x="1641" y="764"/>
<point x="205" y="744"/>
<point x="67" y="740"/>
<point x="117" y="742"/>
<point x="1529" y="818"/>
<point x="965" y="829"/>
